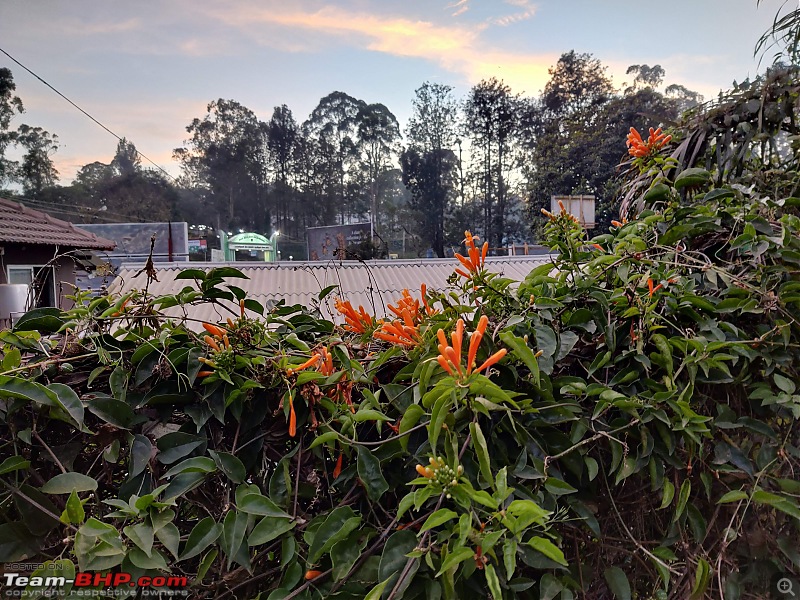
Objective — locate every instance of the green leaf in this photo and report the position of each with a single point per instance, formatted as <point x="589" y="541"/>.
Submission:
<point x="268" y="529"/>
<point x="376" y="592"/>
<point x="73" y="513"/>
<point x="493" y="582"/>
<point x="370" y="415"/>
<point x="683" y="498"/>
<point x="197" y="464"/>
<point x="233" y="529"/>
<point x="141" y="534"/>
<point x="668" y="495"/>
<point x="732" y="496"/>
<point x="393" y="558"/>
<point x="369" y="471"/>
<point x="479" y="443"/>
<point x="143" y="561"/>
<point x="65" y="483"/>
<point x="442" y="515"/>
<point x="336" y="526"/>
<point x="438" y="414"/>
<point x="14" y="463"/>
<point x="230" y="465"/>
<point x="344" y="554"/>
<point x="202" y="536"/>
<point x="510" y="557"/>
<point x="455" y="558"/>
<point x="702" y="577"/>
<point x="170" y="537"/>
<point x="329" y="436"/>
<point x="782" y="503"/>
<point x="256" y="504"/>
<point x="118" y="413"/>
<point x="548" y="548"/>
<point x="618" y="582"/>
<point x="523" y="352"/>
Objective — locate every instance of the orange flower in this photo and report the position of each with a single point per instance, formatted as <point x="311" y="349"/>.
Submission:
<point x="312" y="574"/>
<point x="212" y="342"/>
<point x="638" y="148"/>
<point x="241" y="307"/>
<point x="338" y="468"/>
<point x="425" y="471"/>
<point x="597" y="246"/>
<point x="616" y="223"/>
<point x="450" y="356"/>
<point x="404" y="333"/>
<point x="205" y="373"/>
<point x="476" y="259"/>
<point x="357" y="321"/>
<point x="326" y="367"/>
<point x="310" y="362"/>
<point x="292" y="418"/>
<point x="213" y="330"/>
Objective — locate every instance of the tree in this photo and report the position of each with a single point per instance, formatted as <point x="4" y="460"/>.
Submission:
<point x="429" y="163"/>
<point x="492" y="116"/>
<point x="428" y="177"/>
<point x="576" y="150"/>
<point x="332" y="129"/>
<point x="226" y="155"/>
<point x="126" y="160"/>
<point x="645" y="77"/>
<point x="37" y="171"/>
<point x="282" y="139"/>
<point x="378" y="135"/>
<point x="577" y="83"/>
<point x="10" y="105"/>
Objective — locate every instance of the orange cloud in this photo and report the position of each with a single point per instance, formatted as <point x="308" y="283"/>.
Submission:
<point x="456" y="48"/>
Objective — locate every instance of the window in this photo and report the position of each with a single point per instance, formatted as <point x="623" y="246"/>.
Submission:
<point x="40" y="279"/>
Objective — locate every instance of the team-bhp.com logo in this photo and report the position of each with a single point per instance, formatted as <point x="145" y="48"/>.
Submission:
<point x="19" y="584"/>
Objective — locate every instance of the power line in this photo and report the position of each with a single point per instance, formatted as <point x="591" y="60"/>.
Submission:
<point x="157" y="166"/>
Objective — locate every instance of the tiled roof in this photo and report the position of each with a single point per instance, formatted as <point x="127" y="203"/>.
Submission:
<point x="373" y="284"/>
<point x="23" y="225"/>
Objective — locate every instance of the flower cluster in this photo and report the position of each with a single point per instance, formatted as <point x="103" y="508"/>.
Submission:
<point x="638" y="148"/>
<point x="357" y="321"/>
<point x="567" y="215"/>
<point x="440" y="472"/>
<point x="450" y="355"/>
<point x="223" y="355"/>
<point x="476" y="259"/>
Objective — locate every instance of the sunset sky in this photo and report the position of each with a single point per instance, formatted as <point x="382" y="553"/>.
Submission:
<point x="145" y="68"/>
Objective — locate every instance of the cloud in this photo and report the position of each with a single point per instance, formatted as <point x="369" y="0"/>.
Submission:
<point x="456" y="48"/>
<point x="459" y="7"/>
<point x="529" y="9"/>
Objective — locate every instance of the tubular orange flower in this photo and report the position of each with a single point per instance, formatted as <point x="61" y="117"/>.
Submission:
<point x="638" y="148"/>
<point x="476" y="259"/>
<point x="475" y="341"/>
<point x="213" y="330"/>
<point x="205" y="373"/>
<point x="312" y="574"/>
<point x="597" y="246"/>
<point x="492" y="360"/>
<point x="212" y="342"/>
<point x="230" y="323"/>
<point x="650" y="286"/>
<point x="292" y="419"/>
<point x="548" y="214"/>
<point x="311" y="361"/>
<point x="616" y="223"/>
<point x="226" y="340"/>
<point x="425" y="471"/>
<point x="337" y="470"/>
<point x="405" y="332"/>
<point x="241" y="307"/>
<point x="357" y="321"/>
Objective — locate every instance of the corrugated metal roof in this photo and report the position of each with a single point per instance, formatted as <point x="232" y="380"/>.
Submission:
<point x="372" y="284"/>
<point x="23" y="225"/>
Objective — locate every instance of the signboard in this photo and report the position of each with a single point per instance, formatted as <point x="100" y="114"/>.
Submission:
<point x="581" y="207"/>
<point x="323" y="242"/>
<point x="197" y="246"/>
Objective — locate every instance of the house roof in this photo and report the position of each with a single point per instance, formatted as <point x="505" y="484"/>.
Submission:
<point x="372" y="284"/>
<point x="22" y="225"/>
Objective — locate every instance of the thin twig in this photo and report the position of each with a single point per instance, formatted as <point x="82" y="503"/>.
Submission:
<point x="49" y="451"/>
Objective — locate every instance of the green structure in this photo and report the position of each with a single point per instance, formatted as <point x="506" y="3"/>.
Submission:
<point x="253" y="243"/>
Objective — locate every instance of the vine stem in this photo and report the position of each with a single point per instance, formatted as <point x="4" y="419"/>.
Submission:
<point x="49" y="451"/>
<point x="51" y="361"/>
<point x="410" y="562"/>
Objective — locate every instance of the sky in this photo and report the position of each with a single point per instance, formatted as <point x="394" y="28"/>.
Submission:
<point x="146" y="68"/>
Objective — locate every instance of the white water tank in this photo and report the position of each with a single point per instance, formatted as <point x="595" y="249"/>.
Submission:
<point x="13" y="301"/>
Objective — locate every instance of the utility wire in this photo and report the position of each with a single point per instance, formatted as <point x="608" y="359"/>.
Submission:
<point x="87" y="114"/>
